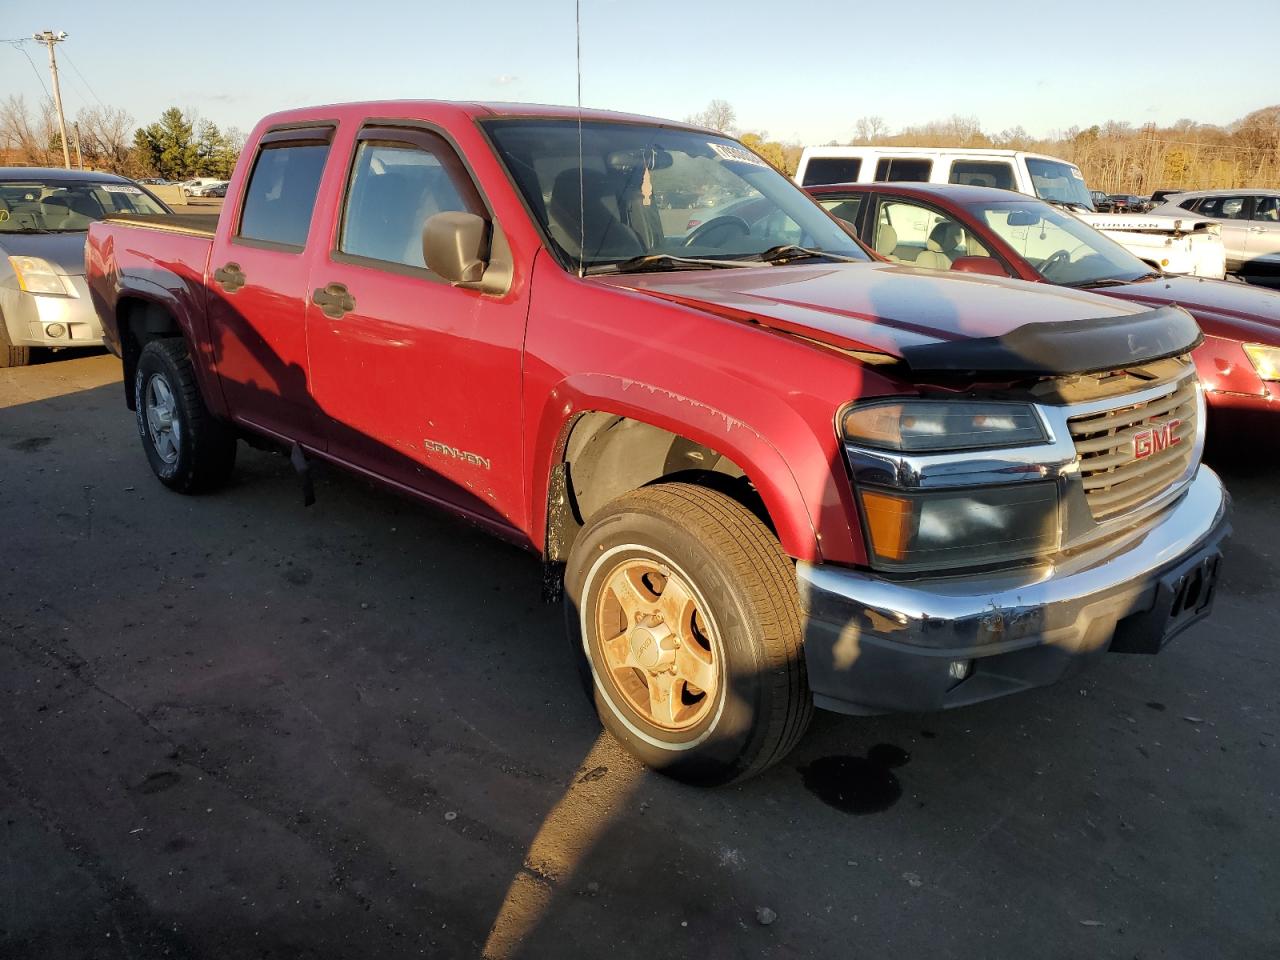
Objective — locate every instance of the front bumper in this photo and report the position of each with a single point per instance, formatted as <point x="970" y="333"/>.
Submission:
<point x="877" y="646"/>
<point x="39" y="320"/>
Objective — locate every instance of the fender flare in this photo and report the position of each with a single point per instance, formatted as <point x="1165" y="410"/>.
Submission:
<point x="764" y="464"/>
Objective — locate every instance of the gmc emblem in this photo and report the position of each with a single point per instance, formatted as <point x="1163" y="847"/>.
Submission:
<point x="1159" y="437"/>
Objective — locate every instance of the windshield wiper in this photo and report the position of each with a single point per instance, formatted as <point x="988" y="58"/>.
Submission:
<point x="29" y="230"/>
<point x="786" y="252"/>
<point x="1116" y="281"/>
<point x="666" y="261"/>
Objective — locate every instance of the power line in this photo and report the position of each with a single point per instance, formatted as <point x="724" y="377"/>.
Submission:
<point x="18" y="45"/>
<point x="83" y="81"/>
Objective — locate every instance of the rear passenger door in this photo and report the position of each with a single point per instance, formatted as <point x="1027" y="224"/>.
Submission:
<point x="1263" y="247"/>
<point x="1233" y="215"/>
<point x="419" y="380"/>
<point x="258" y="287"/>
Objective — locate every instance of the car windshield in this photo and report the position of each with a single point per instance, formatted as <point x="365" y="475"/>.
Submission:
<point x="67" y="206"/>
<point x="683" y="198"/>
<point x="1058" y="182"/>
<point x="1060" y="247"/>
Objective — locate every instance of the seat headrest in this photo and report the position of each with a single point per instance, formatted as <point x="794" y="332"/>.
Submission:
<point x="945" y="237"/>
<point x="886" y="239"/>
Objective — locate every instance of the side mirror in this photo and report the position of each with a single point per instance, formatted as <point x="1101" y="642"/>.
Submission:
<point x="455" y="246"/>
<point x="988" y="265"/>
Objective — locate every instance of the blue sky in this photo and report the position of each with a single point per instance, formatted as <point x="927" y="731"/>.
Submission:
<point x="799" y="71"/>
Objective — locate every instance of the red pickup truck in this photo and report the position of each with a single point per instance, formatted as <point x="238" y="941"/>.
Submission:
<point x="771" y="472"/>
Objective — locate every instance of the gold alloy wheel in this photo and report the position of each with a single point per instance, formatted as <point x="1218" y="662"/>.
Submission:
<point x="655" y="645"/>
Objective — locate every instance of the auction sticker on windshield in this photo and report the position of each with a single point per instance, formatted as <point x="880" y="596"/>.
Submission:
<point x="740" y="154"/>
<point x="121" y="188"/>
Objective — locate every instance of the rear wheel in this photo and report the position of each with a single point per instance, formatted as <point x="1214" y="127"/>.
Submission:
<point x="684" y="612"/>
<point x="189" y="449"/>
<point x="10" y="355"/>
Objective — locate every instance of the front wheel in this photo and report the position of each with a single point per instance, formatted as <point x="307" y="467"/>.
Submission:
<point x="10" y="355"/>
<point x="189" y="449"/>
<point x="684" y="612"/>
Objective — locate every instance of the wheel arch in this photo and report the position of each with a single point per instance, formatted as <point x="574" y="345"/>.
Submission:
<point x="607" y="446"/>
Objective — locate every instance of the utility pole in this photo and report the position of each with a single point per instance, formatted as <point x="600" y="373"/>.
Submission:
<point x="79" y="153"/>
<point x="49" y="38"/>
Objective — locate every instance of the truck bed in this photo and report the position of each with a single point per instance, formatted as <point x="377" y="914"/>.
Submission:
<point x="195" y="224"/>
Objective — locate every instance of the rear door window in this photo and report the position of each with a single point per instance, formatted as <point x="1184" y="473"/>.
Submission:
<point x="1225" y="208"/>
<point x="832" y="170"/>
<point x="281" y="195"/>
<point x="983" y="173"/>
<point x="904" y="170"/>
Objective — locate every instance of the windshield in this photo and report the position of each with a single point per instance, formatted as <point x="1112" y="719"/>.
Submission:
<point x="67" y="206"/>
<point x="1061" y="248"/>
<point x="1059" y="182"/>
<point x="653" y="191"/>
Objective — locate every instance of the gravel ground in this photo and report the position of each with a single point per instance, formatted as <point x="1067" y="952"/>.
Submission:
<point x="232" y="727"/>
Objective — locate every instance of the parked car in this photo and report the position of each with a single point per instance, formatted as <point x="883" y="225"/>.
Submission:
<point x="216" y="188"/>
<point x="1126" y="203"/>
<point x="1250" y="223"/>
<point x="769" y="475"/>
<point x="1172" y="244"/>
<point x="977" y="229"/>
<point x="192" y="187"/>
<point x="1101" y="202"/>
<point x="43" y="218"/>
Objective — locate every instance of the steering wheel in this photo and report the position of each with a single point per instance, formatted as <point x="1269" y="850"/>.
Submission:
<point x="725" y="223"/>
<point x="1059" y="258"/>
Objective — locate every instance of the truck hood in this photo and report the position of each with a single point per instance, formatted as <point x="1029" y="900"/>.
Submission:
<point x="64" y="250"/>
<point x="931" y="320"/>
<point x="1235" y="311"/>
<point x="1149" y="223"/>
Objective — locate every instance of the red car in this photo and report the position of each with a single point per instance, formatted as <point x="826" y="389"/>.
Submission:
<point x="984" y="230"/>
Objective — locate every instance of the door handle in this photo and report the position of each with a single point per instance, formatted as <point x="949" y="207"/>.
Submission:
<point x="333" y="300"/>
<point x="229" y="277"/>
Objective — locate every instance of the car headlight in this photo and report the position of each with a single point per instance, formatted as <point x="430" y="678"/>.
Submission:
<point x="1265" y="360"/>
<point x="975" y="526"/>
<point x="929" y="426"/>
<point x="36" y="275"/>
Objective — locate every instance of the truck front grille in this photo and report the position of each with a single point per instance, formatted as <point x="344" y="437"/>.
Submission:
<point x="1132" y="453"/>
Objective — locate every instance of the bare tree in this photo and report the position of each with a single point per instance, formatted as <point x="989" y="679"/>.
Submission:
<point x="719" y="115"/>
<point x="29" y="134"/>
<point x="106" y="137"/>
<point x="870" y="130"/>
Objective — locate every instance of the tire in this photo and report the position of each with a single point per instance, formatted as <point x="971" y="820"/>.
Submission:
<point x="10" y="355"/>
<point x="189" y="449"/>
<point x="727" y="610"/>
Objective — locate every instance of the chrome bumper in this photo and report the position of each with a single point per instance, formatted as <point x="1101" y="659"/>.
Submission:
<point x="874" y="645"/>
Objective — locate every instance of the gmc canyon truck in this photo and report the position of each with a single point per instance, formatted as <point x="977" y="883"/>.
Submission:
<point x="770" y="472"/>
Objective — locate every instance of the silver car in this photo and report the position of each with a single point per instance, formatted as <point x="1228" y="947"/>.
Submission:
<point x="1250" y="219"/>
<point x="44" y="216"/>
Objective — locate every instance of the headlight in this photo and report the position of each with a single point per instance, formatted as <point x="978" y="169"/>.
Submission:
<point x="1265" y="360"/>
<point x="929" y="426"/>
<point x="960" y="528"/>
<point x="38" y="276"/>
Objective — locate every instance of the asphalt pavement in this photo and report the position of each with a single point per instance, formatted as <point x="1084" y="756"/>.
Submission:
<point x="234" y="727"/>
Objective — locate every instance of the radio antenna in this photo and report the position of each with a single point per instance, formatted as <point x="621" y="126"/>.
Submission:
<point x="582" y="188"/>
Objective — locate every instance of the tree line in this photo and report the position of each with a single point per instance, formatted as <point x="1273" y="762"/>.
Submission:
<point x="176" y="146"/>
<point x="1115" y="157"/>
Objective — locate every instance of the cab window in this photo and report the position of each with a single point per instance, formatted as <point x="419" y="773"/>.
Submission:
<point x="395" y="188"/>
<point x="983" y="173"/>
<point x="903" y="170"/>
<point x="282" y="192"/>
<point x="1266" y="209"/>
<point x="832" y="170"/>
